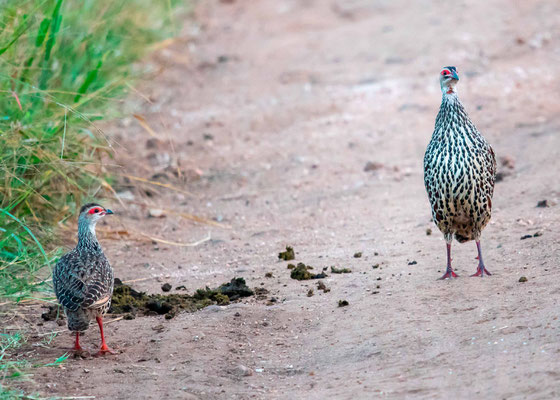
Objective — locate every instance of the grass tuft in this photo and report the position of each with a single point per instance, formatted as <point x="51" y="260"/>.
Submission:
<point x="64" y="65"/>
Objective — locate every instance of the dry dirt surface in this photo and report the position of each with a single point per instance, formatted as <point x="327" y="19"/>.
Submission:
<point x="267" y="112"/>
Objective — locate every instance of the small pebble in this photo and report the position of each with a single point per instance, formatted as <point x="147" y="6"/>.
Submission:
<point x="166" y="287"/>
<point x="358" y="254"/>
<point x="372" y="166"/>
<point x="523" y="279"/>
<point x="156" y="213"/>
<point x="241" y="370"/>
<point x="508" y="161"/>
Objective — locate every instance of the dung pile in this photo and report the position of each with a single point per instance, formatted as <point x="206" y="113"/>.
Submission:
<point x="336" y="270"/>
<point x="287" y="255"/>
<point x="301" y="272"/>
<point x="131" y="303"/>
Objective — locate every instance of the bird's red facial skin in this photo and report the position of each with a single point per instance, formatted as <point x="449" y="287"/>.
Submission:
<point x="94" y="210"/>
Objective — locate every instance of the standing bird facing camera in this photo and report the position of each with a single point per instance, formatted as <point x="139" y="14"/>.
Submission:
<point x="459" y="173"/>
<point x="83" y="278"/>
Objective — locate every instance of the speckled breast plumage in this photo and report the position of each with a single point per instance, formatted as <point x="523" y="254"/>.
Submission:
<point x="459" y="174"/>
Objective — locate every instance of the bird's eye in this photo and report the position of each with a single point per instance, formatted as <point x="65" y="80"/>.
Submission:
<point x="94" y="210"/>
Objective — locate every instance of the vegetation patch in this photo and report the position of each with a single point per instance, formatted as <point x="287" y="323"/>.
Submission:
<point x="65" y="65"/>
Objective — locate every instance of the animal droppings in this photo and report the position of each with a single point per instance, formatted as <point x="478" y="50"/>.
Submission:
<point x="343" y="303"/>
<point x="336" y="270"/>
<point x="301" y="273"/>
<point x="132" y="303"/>
<point x="287" y="255"/>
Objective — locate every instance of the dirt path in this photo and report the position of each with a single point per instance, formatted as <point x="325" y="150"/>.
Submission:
<point x="280" y="105"/>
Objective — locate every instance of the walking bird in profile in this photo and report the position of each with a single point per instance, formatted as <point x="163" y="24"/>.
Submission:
<point x="459" y="173"/>
<point x="83" y="278"/>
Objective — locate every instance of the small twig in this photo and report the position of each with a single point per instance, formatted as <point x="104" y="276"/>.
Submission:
<point x="65" y="330"/>
<point x="139" y="279"/>
<point x="17" y="99"/>
<point x="197" y="243"/>
<point x="188" y="216"/>
<point x="165" y="185"/>
<point x="51" y="332"/>
<point x="142" y="121"/>
<point x="107" y="186"/>
<point x="113" y="320"/>
<point x="139" y="93"/>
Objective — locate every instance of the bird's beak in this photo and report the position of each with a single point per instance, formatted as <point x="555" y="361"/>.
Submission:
<point x="455" y="76"/>
<point x="107" y="211"/>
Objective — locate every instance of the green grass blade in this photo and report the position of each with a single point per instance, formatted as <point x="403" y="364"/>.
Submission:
<point x="19" y="31"/>
<point x="91" y="76"/>
<point x="28" y="231"/>
<point x="42" y="33"/>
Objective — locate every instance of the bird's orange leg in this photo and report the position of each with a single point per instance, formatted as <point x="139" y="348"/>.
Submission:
<point x="77" y="346"/>
<point x="104" y="348"/>
<point x="449" y="273"/>
<point x="481" y="269"/>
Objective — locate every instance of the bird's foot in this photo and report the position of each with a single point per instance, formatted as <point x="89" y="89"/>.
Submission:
<point x="80" y="353"/>
<point x="105" y="350"/>
<point x="449" y="274"/>
<point x="481" y="270"/>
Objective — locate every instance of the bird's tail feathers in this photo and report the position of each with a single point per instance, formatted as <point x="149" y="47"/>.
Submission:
<point x="78" y="320"/>
<point x="462" y="239"/>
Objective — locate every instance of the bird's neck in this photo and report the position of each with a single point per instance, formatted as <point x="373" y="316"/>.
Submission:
<point x="449" y="89"/>
<point x="452" y="119"/>
<point x="450" y="102"/>
<point x="87" y="241"/>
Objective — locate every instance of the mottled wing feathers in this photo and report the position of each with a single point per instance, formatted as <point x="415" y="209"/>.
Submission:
<point x="68" y="286"/>
<point x="81" y="281"/>
<point x="99" y="289"/>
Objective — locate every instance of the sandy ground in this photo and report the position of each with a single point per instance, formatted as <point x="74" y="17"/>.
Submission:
<point x="271" y="109"/>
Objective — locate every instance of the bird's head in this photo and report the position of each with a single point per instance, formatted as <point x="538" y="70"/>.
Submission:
<point x="448" y="78"/>
<point x="91" y="213"/>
